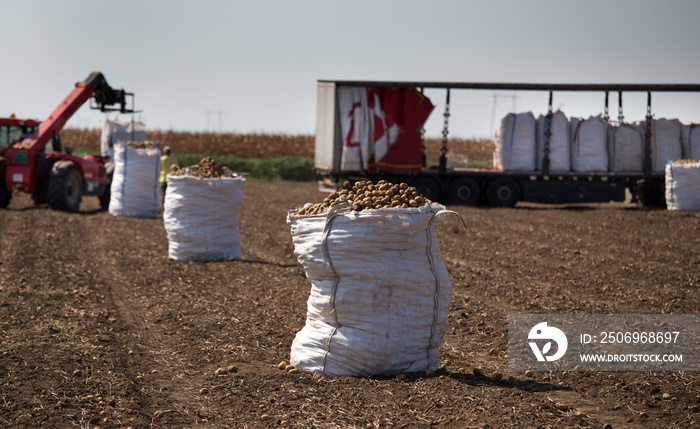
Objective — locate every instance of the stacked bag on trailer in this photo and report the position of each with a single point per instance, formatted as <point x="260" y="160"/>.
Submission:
<point x="665" y="142"/>
<point x="589" y="151"/>
<point x="559" y="154"/>
<point x="135" y="190"/>
<point x="114" y="132"/>
<point x="625" y="149"/>
<point x="380" y="292"/>
<point x="591" y="145"/>
<point x="516" y="143"/>
<point x="683" y="185"/>
<point x="690" y="141"/>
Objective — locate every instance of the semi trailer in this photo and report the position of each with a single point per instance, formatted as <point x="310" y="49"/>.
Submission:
<point x="373" y="130"/>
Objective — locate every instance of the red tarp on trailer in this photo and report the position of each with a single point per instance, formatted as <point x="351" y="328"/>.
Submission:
<point x="381" y="128"/>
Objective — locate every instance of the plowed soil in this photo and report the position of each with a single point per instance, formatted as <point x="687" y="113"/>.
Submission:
<point x="100" y="329"/>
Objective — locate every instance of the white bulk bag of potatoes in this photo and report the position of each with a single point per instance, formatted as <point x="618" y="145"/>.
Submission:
<point x="516" y="142"/>
<point x="690" y="141"/>
<point x="380" y="292"/>
<point x="559" y="158"/>
<point x="683" y="186"/>
<point x="135" y="190"/>
<point x="589" y="152"/>
<point x="625" y="149"/>
<point x="200" y="216"/>
<point x="114" y="132"/>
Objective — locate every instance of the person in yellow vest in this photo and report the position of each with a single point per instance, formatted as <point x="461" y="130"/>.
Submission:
<point x="167" y="165"/>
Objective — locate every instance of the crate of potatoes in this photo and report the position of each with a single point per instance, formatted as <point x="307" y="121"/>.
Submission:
<point x="380" y="291"/>
<point x="200" y="212"/>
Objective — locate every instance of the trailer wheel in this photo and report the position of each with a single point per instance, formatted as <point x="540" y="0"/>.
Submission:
<point x="651" y="194"/>
<point x="65" y="187"/>
<point x="503" y="192"/>
<point x="427" y="187"/>
<point x="464" y="191"/>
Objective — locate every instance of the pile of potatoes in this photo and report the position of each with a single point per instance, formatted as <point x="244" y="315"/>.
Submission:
<point x="139" y="145"/>
<point x="367" y="195"/>
<point x="207" y="168"/>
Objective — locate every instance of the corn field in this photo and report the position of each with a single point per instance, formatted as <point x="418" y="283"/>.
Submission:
<point x="265" y="145"/>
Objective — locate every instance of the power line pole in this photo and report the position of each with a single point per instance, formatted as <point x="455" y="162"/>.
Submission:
<point x="220" y="115"/>
<point x="513" y="96"/>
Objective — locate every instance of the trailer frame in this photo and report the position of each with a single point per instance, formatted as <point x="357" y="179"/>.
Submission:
<point x="506" y="188"/>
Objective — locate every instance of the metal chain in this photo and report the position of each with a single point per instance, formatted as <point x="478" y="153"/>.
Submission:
<point x="547" y="136"/>
<point x="606" y="116"/>
<point x="443" y="149"/>
<point x="422" y="141"/>
<point x="647" y="137"/>
<point x="620" y="117"/>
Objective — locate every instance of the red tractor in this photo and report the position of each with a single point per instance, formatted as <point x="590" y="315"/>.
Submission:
<point x="53" y="176"/>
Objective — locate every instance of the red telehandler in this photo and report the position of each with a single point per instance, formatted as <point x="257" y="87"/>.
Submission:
<point x="53" y="176"/>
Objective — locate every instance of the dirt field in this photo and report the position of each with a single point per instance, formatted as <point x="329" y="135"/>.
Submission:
<point x="100" y="329"/>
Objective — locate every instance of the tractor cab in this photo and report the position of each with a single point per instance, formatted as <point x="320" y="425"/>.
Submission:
<point x="13" y="129"/>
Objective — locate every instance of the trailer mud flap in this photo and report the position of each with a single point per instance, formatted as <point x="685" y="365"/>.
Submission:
<point x="573" y="192"/>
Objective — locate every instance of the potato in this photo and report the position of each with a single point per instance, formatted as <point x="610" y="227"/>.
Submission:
<point x="366" y="195"/>
<point x="207" y="168"/>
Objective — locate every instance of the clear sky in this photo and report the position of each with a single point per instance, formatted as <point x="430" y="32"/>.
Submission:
<point x="252" y="66"/>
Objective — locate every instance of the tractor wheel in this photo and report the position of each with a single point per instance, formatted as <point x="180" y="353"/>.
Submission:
<point x="65" y="187"/>
<point x="107" y="193"/>
<point x="5" y="196"/>
<point x="40" y="198"/>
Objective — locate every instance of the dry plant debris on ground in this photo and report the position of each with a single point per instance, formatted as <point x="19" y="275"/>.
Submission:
<point x="101" y="330"/>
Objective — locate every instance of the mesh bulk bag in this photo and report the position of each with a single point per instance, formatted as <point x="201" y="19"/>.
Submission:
<point x="200" y="216"/>
<point x="380" y="292"/>
<point x="683" y="185"/>
<point x="135" y="190"/>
